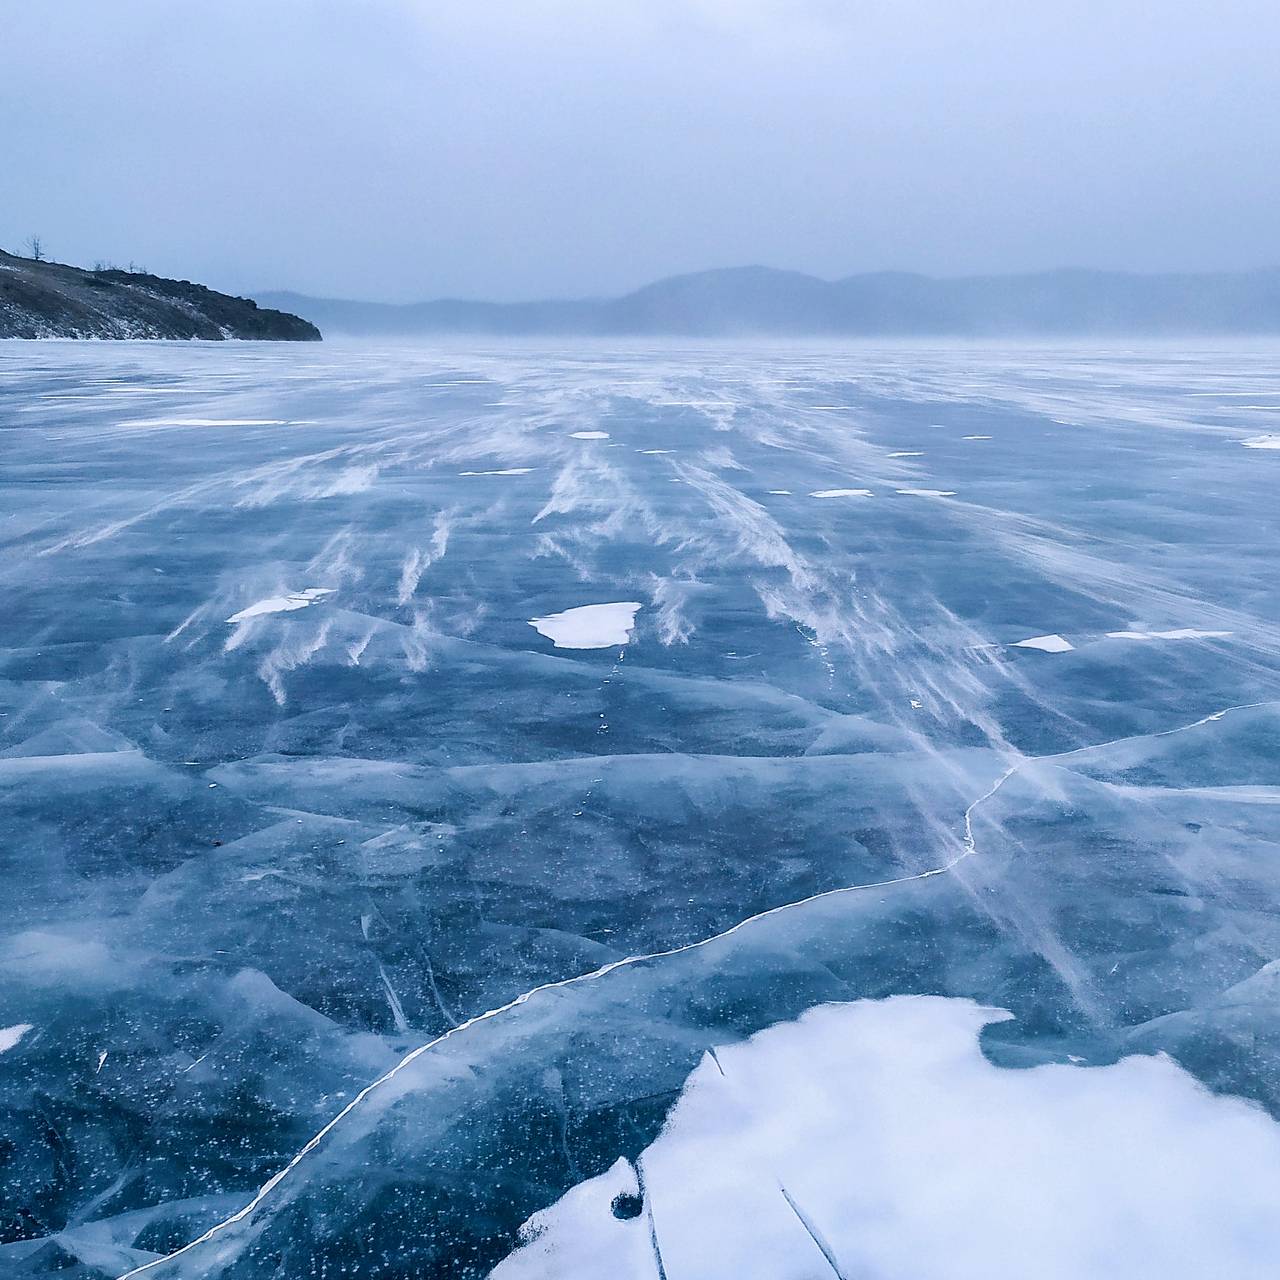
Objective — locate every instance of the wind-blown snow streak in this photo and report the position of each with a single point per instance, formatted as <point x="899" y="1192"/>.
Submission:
<point x="968" y="849"/>
<point x="418" y="560"/>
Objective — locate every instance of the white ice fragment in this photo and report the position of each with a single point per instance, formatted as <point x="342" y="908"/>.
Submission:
<point x="282" y="604"/>
<point x="589" y="626"/>
<point x="875" y="1140"/>
<point x="908" y="453"/>
<point x="651" y="452"/>
<point x="588" y="435"/>
<point x="1047" y="644"/>
<point x="9" y="1036"/>
<point x="781" y="493"/>
<point x="1262" y="442"/>
<point x="929" y="493"/>
<point x="975" y="437"/>
<point x="841" y="493"/>
<point x="506" y="471"/>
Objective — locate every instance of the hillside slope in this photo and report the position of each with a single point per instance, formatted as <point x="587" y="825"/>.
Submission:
<point x="50" y="300"/>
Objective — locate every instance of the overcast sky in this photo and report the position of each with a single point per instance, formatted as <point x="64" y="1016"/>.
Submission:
<point x="405" y="149"/>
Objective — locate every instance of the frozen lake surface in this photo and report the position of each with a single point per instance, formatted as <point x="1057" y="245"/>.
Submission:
<point x="628" y="789"/>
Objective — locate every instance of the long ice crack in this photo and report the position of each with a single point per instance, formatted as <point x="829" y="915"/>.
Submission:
<point x="968" y="848"/>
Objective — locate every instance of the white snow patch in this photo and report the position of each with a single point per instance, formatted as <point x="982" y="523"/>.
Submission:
<point x="929" y="493"/>
<point x="1047" y="644"/>
<point x="1262" y="442"/>
<point x="589" y="626"/>
<point x="650" y="452"/>
<point x="9" y="1036"/>
<point x="875" y="1140"/>
<point x="282" y="604"/>
<point x="841" y="493"/>
<point x="1181" y="633"/>
<point x="588" y="435"/>
<point x="781" y="493"/>
<point x="506" y="471"/>
<point x="975" y="437"/>
<point x="908" y="453"/>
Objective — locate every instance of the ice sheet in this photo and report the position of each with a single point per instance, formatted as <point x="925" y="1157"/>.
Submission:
<point x="353" y="935"/>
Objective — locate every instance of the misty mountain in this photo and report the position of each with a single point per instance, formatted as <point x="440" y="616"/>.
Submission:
<point x="51" y="300"/>
<point x="767" y="302"/>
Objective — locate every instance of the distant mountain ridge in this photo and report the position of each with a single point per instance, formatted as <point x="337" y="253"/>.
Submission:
<point x="51" y="300"/>
<point x="744" y="301"/>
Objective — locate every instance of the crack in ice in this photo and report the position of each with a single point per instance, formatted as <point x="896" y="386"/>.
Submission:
<point x="968" y="848"/>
